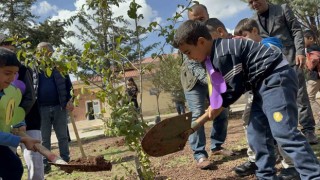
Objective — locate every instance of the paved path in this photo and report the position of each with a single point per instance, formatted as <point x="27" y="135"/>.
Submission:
<point x="90" y="128"/>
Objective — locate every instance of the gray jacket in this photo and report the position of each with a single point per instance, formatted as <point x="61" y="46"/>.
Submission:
<point x="191" y="73"/>
<point x="284" y="25"/>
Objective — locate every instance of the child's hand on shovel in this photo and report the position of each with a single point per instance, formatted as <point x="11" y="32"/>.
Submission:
<point x="213" y="113"/>
<point x="29" y="143"/>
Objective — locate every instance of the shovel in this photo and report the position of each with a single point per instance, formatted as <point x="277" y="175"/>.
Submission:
<point x="92" y="164"/>
<point x="55" y="159"/>
<point x="86" y="164"/>
<point x="75" y="129"/>
<point x="171" y="134"/>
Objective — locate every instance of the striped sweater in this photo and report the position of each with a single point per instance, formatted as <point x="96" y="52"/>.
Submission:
<point x="243" y="64"/>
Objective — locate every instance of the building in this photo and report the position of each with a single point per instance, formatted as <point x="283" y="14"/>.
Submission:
<point x="89" y="104"/>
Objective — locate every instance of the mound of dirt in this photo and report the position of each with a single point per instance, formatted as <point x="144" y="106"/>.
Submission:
<point x="89" y="164"/>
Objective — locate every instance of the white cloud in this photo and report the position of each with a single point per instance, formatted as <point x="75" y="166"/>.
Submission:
<point x="64" y="14"/>
<point x="224" y="9"/>
<point x="221" y="9"/>
<point x="148" y="13"/>
<point x="44" y="8"/>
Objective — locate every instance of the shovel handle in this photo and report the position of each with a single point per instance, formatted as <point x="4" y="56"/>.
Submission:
<point x="203" y="119"/>
<point x="75" y="129"/>
<point x="195" y="125"/>
<point x="43" y="150"/>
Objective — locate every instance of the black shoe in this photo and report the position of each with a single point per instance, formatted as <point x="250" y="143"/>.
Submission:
<point x="47" y="169"/>
<point x="246" y="169"/>
<point x="289" y="174"/>
<point x="311" y="137"/>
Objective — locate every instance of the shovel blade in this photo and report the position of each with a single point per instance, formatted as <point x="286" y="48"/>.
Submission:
<point x="166" y="136"/>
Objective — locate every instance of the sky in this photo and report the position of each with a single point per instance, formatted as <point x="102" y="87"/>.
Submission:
<point x="228" y="11"/>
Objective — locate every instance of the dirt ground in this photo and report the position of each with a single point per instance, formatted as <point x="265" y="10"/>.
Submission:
<point x="179" y="165"/>
<point x="223" y="166"/>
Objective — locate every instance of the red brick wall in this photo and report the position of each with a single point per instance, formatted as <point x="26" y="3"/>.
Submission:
<point x="80" y="111"/>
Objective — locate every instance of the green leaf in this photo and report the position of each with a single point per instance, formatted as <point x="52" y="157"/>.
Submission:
<point x="68" y="65"/>
<point x="19" y="54"/>
<point x="48" y="72"/>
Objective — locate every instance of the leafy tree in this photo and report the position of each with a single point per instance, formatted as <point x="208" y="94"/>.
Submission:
<point x="49" y="31"/>
<point x="16" y="16"/>
<point x="100" y="27"/>
<point x="167" y="74"/>
<point x="124" y="120"/>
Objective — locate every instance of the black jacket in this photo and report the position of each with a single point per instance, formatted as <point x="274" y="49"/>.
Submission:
<point x="28" y="102"/>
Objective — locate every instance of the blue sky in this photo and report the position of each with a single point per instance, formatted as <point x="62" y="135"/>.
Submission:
<point x="228" y="11"/>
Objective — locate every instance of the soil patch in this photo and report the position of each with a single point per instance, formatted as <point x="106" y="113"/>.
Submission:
<point x="89" y="164"/>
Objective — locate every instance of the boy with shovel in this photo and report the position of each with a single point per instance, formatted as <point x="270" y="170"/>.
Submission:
<point x="10" y="164"/>
<point x="246" y="65"/>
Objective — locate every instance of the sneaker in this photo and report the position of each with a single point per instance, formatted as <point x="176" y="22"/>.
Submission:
<point x="289" y="174"/>
<point x="203" y="163"/>
<point x="311" y="137"/>
<point x="246" y="169"/>
<point x="47" y="169"/>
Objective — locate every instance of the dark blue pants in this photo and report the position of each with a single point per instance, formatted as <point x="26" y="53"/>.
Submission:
<point x="305" y="115"/>
<point x="56" y="117"/>
<point x="180" y="107"/>
<point x="196" y="99"/>
<point x="274" y="114"/>
<point x="10" y="165"/>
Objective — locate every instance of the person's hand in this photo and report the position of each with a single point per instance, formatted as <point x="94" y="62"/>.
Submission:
<point x="21" y="129"/>
<point x="213" y="113"/>
<point x="29" y="143"/>
<point x="300" y="61"/>
<point x="70" y="106"/>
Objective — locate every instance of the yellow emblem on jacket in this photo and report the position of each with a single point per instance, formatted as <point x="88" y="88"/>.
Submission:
<point x="277" y="116"/>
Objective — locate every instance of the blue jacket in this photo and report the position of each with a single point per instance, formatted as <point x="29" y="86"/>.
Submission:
<point x="64" y="87"/>
<point x="7" y="139"/>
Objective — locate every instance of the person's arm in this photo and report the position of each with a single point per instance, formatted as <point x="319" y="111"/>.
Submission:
<point x="8" y="139"/>
<point x="296" y="31"/>
<point x="197" y="70"/>
<point x="69" y="88"/>
<point x="213" y="113"/>
<point x="29" y="97"/>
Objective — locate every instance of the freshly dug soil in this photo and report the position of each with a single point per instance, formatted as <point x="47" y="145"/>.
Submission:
<point x="89" y="164"/>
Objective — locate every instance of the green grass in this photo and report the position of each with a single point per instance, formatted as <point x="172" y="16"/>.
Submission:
<point x="119" y="156"/>
<point x="179" y="161"/>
